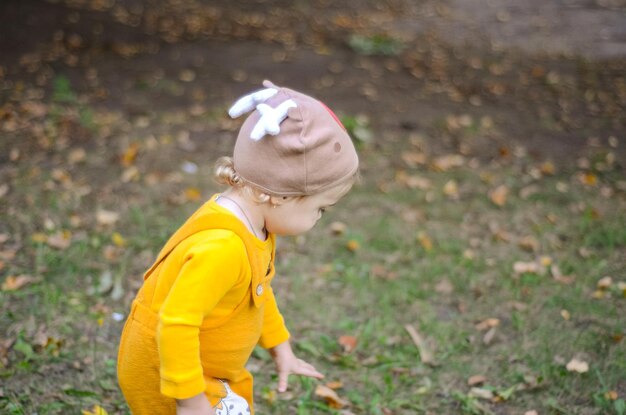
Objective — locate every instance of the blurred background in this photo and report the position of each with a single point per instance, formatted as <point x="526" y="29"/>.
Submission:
<point x="478" y="268"/>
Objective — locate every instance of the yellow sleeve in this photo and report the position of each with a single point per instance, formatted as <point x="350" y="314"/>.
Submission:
<point x="274" y="330"/>
<point x="209" y="270"/>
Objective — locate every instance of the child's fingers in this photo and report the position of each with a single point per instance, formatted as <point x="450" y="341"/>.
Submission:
<point x="307" y="369"/>
<point x="283" y="377"/>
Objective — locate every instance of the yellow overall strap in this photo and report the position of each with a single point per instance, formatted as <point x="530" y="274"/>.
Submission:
<point x="197" y="223"/>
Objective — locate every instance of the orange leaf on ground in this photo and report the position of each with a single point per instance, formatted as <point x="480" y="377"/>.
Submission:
<point x="547" y="168"/>
<point x="331" y="397"/>
<point x="192" y="194"/>
<point x="353" y="245"/>
<point x="499" y="195"/>
<point x="130" y="154"/>
<point x="488" y="323"/>
<point x="348" y="343"/>
<point x="588" y="179"/>
<point x="12" y="283"/>
<point x="337" y="384"/>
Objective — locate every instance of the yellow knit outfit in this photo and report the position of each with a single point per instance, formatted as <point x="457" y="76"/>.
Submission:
<point x="204" y="305"/>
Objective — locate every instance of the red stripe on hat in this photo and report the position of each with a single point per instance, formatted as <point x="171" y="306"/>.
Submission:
<point x="334" y="116"/>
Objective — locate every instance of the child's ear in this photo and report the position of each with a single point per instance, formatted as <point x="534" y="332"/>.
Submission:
<point x="280" y="200"/>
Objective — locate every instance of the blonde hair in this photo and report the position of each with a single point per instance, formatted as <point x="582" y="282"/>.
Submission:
<point x="226" y="174"/>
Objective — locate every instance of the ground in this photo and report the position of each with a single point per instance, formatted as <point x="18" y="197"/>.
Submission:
<point x="478" y="267"/>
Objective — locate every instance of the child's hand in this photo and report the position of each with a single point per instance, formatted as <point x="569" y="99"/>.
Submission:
<point x="197" y="405"/>
<point x="287" y="363"/>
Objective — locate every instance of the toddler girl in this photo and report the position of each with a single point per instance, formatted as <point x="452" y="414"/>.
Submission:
<point x="207" y="301"/>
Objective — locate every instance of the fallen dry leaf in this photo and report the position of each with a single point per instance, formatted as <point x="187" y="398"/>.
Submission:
<point x="533" y="412"/>
<point x="588" y="179"/>
<point x="417" y="182"/>
<point x="192" y="194"/>
<point x="130" y="174"/>
<point x="337" y="384"/>
<point x="529" y="243"/>
<point x="481" y="393"/>
<point x="129" y="155"/>
<point x="559" y="277"/>
<point x="60" y="240"/>
<point x="576" y="365"/>
<point x="547" y="168"/>
<point x="338" y="228"/>
<point x="12" y="283"/>
<point x="426" y="355"/>
<point x="605" y="283"/>
<point x="451" y="189"/>
<point x="39" y="237"/>
<point x="489" y="336"/>
<point x="353" y="245"/>
<point x="476" y="380"/>
<point x="425" y="241"/>
<point x="107" y="217"/>
<point x="545" y="261"/>
<point x="348" y="343"/>
<point x="331" y="397"/>
<point x="447" y="162"/>
<point x="499" y="195"/>
<point x="77" y="155"/>
<point x="521" y="267"/>
<point x="118" y="240"/>
<point x="488" y="323"/>
<point x="413" y="159"/>
<point x="96" y="410"/>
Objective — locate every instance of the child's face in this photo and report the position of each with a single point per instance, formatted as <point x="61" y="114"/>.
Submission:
<point x="298" y="215"/>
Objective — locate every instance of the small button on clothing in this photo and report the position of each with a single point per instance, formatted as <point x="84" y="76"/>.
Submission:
<point x="259" y="289"/>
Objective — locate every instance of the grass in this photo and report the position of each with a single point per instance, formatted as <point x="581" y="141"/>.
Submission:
<point x="327" y="291"/>
<point x="439" y="260"/>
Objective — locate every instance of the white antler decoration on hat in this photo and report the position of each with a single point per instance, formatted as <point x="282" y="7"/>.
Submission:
<point x="270" y="120"/>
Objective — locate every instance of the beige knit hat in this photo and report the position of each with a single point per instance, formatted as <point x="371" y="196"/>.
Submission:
<point x="292" y="144"/>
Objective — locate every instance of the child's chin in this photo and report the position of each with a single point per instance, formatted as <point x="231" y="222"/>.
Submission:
<point x="291" y="232"/>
